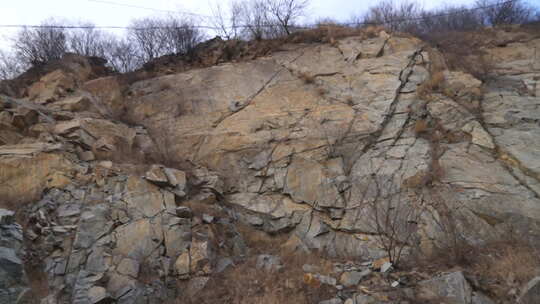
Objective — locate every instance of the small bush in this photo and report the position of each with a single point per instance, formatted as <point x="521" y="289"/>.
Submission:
<point x="307" y="77"/>
<point x="433" y="84"/>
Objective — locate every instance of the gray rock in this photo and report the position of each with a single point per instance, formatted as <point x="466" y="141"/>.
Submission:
<point x="332" y="301"/>
<point x="453" y="288"/>
<point x="531" y="292"/>
<point x="184" y="212"/>
<point x="128" y="267"/>
<point x="6" y="217"/>
<point x="223" y="264"/>
<point x="98" y="295"/>
<point x="386" y="267"/>
<point x="327" y="280"/>
<point x="207" y="218"/>
<point x="352" y="278"/>
<point x="365" y="299"/>
<point x="479" y="298"/>
<point x="11" y="267"/>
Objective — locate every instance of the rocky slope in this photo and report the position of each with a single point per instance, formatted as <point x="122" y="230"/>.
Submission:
<point x="358" y="150"/>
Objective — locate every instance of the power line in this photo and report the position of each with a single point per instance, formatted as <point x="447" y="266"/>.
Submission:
<point x="247" y="25"/>
<point x="146" y="8"/>
<point x="68" y="27"/>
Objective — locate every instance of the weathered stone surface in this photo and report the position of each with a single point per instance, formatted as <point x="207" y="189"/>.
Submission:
<point x="26" y="177"/>
<point x="74" y="103"/>
<point x="51" y="86"/>
<point x="531" y="292"/>
<point x="479" y="298"/>
<point x="128" y="267"/>
<point x="453" y="288"/>
<point x="311" y="143"/>
<point x="13" y="280"/>
<point x="28" y="149"/>
<point x="174" y="179"/>
<point x="352" y="278"/>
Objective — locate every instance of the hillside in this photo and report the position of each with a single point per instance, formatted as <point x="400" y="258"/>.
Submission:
<point x="361" y="170"/>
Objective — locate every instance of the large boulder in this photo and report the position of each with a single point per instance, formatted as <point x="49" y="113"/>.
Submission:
<point x="451" y="288"/>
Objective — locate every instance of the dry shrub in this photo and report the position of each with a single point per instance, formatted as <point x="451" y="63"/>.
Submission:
<point x="37" y="278"/>
<point x="464" y="51"/>
<point x="421" y="127"/>
<point x="430" y="86"/>
<point x="16" y="201"/>
<point x="245" y="283"/>
<point x="498" y="267"/>
<point x="511" y="262"/>
<point x="307" y="77"/>
<point x="331" y="32"/>
<point x="260" y="241"/>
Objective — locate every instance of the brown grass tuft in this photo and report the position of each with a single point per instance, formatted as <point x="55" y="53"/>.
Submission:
<point x="307" y="78"/>
<point x="421" y="127"/>
<point x="430" y="86"/>
<point x="510" y="262"/>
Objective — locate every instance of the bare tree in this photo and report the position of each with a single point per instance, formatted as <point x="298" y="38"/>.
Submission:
<point x="148" y="36"/>
<point x="38" y="45"/>
<point x="396" y="17"/>
<point x="498" y="12"/>
<point x="10" y="66"/>
<point x="87" y="41"/>
<point x="156" y="37"/>
<point x="254" y="19"/>
<point x="450" y="18"/>
<point x="122" y="54"/>
<point x="180" y="36"/>
<point x="227" y="24"/>
<point x="391" y="215"/>
<point x="286" y="12"/>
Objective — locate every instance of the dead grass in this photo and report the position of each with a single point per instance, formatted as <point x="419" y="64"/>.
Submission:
<point x="421" y="127"/>
<point x="512" y="263"/>
<point x="330" y="32"/>
<point x="245" y="283"/>
<point x="306" y="77"/>
<point x="433" y="84"/>
<point x="465" y="51"/>
<point x="16" y="201"/>
<point x="498" y="267"/>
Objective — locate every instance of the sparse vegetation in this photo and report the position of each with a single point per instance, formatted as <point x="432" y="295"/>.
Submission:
<point x="391" y="216"/>
<point x="150" y="38"/>
<point x="307" y="77"/>
<point x="246" y="283"/>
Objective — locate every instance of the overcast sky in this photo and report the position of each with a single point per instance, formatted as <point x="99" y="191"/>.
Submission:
<point x="102" y="13"/>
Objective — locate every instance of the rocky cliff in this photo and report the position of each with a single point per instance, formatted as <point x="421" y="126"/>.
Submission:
<point x="364" y="151"/>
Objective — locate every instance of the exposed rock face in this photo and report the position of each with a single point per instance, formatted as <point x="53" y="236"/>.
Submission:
<point x="287" y="146"/>
<point x="114" y="238"/>
<point x="316" y="143"/>
<point x="13" y="280"/>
